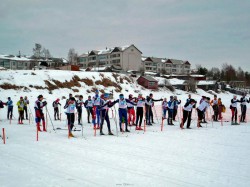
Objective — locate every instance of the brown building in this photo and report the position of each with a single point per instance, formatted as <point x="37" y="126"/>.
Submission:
<point x="148" y="82"/>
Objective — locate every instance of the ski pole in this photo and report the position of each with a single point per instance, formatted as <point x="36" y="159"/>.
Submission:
<point x="3" y="136"/>
<point x="162" y="124"/>
<point x="50" y="118"/>
<point x="156" y="114"/>
<point x="31" y="113"/>
<point x="115" y="119"/>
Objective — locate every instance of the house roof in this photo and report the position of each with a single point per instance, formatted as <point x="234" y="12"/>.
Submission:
<point x="109" y="50"/>
<point x="175" y="81"/>
<point x="149" y="78"/>
<point x="174" y="61"/>
<point x="16" y="58"/>
<point x="212" y="82"/>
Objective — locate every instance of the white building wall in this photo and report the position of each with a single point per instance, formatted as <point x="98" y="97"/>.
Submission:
<point x="131" y="59"/>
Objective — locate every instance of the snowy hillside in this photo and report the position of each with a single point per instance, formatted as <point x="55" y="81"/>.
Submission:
<point x="215" y="155"/>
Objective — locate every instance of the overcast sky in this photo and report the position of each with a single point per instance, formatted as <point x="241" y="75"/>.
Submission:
<point x="206" y="32"/>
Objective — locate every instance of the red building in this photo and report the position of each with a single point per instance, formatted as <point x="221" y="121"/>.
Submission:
<point x="148" y="82"/>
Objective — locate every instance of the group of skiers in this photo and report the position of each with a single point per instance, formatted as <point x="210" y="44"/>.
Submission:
<point x="131" y="110"/>
<point x="22" y="105"/>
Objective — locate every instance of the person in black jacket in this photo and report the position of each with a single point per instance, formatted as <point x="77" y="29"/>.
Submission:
<point x="56" y="110"/>
<point x="148" y="106"/>
<point x="187" y="113"/>
<point x="89" y="103"/>
<point x="79" y="105"/>
<point x="234" y="110"/>
<point x="243" y="105"/>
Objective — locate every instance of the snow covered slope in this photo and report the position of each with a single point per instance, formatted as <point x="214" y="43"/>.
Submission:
<point x="215" y="155"/>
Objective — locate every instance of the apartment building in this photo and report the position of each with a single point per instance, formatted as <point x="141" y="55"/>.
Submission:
<point x="126" y="57"/>
<point x="165" y="66"/>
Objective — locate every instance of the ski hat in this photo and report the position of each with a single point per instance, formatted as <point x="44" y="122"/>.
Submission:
<point x="171" y="97"/>
<point x="102" y="96"/>
<point x="81" y="96"/>
<point x="121" y="96"/>
<point x="40" y="96"/>
<point x="130" y="96"/>
<point x="70" y="95"/>
<point x="8" y="97"/>
<point x="208" y="98"/>
<point x="21" y="97"/>
<point x="150" y="94"/>
<point x="72" y="99"/>
<point x="203" y="97"/>
<point x="57" y="99"/>
<point x="96" y="91"/>
<point x="192" y="101"/>
<point x="106" y="95"/>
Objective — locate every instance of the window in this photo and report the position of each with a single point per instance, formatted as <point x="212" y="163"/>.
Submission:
<point x="92" y="58"/>
<point x="116" y="61"/>
<point x="83" y="59"/>
<point x="115" y="55"/>
<point x="173" y="70"/>
<point x="151" y="83"/>
<point x="102" y="57"/>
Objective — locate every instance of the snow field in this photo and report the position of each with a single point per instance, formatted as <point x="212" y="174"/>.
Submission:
<point x="214" y="155"/>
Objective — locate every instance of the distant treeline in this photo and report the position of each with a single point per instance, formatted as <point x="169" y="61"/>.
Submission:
<point x="227" y="73"/>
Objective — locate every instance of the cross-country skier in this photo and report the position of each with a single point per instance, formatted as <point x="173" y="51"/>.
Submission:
<point x="9" y="103"/>
<point x="140" y="103"/>
<point x="79" y="105"/>
<point x="243" y="105"/>
<point x="201" y="109"/>
<point x="131" y="111"/>
<point x="39" y="104"/>
<point x="171" y="106"/>
<point x="20" y="105"/>
<point x="187" y="113"/>
<point x="26" y="102"/>
<point x="105" y="104"/>
<point x="176" y="104"/>
<point x="188" y="99"/>
<point x="220" y="108"/>
<point x="204" y="112"/>
<point x="215" y="105"/>
<point x="123" y="105"/>
<point x="89" y="103"/>
<point x="164" y="108"/>
<point x="70" y="112"/>
<point x="148" y="107"/>
<point x="234" y="110"/>
<point x="56" y="109"/>
<point x="96" y="110"/>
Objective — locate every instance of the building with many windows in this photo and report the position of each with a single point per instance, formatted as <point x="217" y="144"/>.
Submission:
<point x="126" y="57"/>
<point x="165" y="66"/>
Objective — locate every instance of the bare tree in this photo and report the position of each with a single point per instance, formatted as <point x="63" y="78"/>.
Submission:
<point x="72" y="56"/>
<point x="37" y="50"/>
<point x="45" y="53"/>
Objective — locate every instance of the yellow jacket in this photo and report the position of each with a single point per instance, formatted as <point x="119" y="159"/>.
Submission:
<point x="20" y="105"/>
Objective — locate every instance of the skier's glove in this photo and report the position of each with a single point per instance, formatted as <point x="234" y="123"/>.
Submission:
<point x="44" y="103"/>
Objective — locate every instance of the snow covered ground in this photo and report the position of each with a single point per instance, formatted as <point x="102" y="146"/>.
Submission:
<point x="215" y="155"/>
